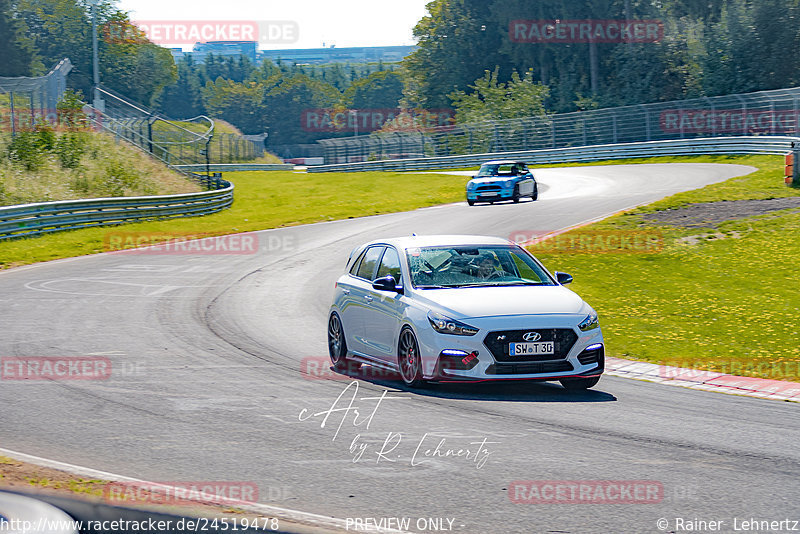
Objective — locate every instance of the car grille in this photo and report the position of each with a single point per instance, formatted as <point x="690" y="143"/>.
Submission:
<point x="488" y="188"/>
<point x="563" y="338"/>
<point x="528" y="368"/>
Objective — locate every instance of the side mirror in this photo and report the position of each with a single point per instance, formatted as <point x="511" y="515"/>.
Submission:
<point x="387" y="283"/>
<point x="563" y="278"/>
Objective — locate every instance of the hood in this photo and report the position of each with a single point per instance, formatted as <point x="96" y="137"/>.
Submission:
<point x="491" y="179"/>
<point x="463" y="303"/>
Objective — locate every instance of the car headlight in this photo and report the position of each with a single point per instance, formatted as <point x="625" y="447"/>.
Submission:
<point x="471" y="185"/>
<point x="445" y="325"/>
<point x="590" y="322"/>
<point x="508" y="183"/>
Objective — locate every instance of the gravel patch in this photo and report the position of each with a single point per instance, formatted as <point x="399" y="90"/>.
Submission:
<point x="710" y="214"/>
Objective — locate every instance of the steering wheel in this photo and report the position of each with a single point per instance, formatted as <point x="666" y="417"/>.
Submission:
<point x="494" y="275"/>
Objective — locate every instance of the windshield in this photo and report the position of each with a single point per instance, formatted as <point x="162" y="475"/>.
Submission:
<point x="504" y="169"/>
<point x="460" y="266"/>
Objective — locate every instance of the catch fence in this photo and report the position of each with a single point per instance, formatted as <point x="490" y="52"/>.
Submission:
<point x="761" y="113"/>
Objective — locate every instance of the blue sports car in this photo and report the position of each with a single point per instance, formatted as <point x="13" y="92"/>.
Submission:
<point x="502" y="180"/>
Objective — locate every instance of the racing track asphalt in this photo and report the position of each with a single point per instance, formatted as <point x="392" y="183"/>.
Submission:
<point x="207" y="352"/>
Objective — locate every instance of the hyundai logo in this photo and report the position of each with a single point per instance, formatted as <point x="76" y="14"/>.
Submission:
<point x="532" y="336"/>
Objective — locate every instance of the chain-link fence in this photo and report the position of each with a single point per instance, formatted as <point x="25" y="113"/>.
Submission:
<point x="762" y="113"/>
<point x="26" y="102"/>
<point x="185" y="142"/>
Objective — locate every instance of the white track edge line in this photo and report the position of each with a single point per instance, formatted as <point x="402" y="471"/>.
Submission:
<point x="284" y="513"/>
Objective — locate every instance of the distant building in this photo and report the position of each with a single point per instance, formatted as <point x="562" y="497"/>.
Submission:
<point x="359" y="54"/>
<point x="314" y="56"/>
<point x="225" y="49"/>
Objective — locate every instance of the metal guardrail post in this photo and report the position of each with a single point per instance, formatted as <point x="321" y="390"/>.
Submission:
<point x="13" y="116"/>
<point x="796" y="164"/>
<point x="208" y="154"/>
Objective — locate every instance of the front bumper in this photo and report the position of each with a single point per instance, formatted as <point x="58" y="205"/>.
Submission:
<point x="503" y="194"/>
<point x="468" y="358"/>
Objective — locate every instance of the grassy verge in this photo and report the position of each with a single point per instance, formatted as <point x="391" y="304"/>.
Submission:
<point x="29" y="478"/>
<point x="44" y="165"/>
<point x="726" y="300"/>
<point x="263" y="200"/>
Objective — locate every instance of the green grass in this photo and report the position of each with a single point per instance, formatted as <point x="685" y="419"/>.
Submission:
<point x="262" y="200"/>
<point x="726" y="305"/>
<point x="99" y="167"/>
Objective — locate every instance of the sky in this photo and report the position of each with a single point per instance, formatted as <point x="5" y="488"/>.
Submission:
<point x="306" y="23"/>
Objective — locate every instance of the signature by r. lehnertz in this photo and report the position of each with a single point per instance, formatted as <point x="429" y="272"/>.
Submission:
<point x="360" y="412"/>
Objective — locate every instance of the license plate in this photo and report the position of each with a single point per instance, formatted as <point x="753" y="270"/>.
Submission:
<point x="490" y="194"/>
<point x="531" y="349"/>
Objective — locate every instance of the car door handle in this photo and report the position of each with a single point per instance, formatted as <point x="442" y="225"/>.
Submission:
<point x="368" y="298"/>
<point x="346" y="291"/>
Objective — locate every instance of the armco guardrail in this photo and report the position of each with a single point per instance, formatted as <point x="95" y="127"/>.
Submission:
<point x="41" y="218"/>
<point x="677" y="147"/>
<point x="235" y="167"/>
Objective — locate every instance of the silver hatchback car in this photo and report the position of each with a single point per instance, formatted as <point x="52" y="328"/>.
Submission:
<point x="461" y="308"/>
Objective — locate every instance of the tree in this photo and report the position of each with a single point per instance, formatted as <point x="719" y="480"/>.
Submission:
<point x="456" y="44"/>
<point x="285" y="100"/>
<point x="493" y="100"/>
<point x="382" y="89"/>
<point x="184" y="99"/>
<point x="237" y="103"/>
<point x="138" y="70"/>
<point x="62" y="28"/>
<point x="19" y="56"/>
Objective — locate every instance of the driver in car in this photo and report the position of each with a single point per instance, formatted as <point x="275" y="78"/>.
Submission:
<point x="486" y="267"/>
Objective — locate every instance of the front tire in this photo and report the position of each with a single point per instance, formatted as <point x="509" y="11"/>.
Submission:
<point x="409" y="361"/>
<point x="579" y="384"/>
<point x="515" y="196"/>
<point x="470" y="202"/>
<point x="535" y="195"/>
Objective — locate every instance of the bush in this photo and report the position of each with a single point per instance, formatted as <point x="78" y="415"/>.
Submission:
<point x="30" y="148"/>
<point x="118" y="178"/>
<point x="70" y="111"/>
<point x="81" y="184"/>
<point x="69" y="148"/>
